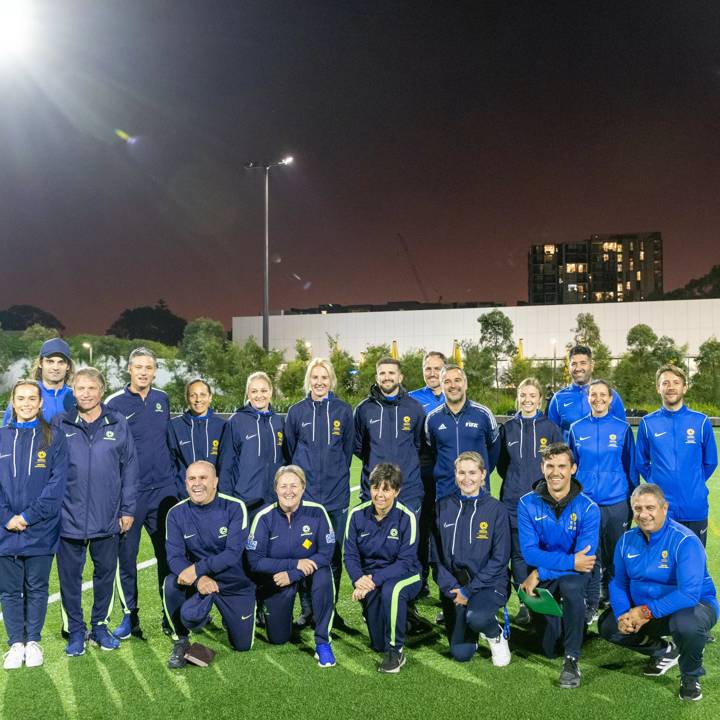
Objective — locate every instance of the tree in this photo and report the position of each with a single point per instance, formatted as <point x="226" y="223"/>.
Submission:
<point x="345" y="371"/>
<point x="496" y="336"/>
<point x="292" y="376"/>
<point x="587" y="332"/>
<point x="479" y="368"/>
<point x="155" y="323"/>
<point x="21" y="317"/>
<point x="707" y="286"/>
<point x="706" y="381"/>
<point x="411" y="363"/>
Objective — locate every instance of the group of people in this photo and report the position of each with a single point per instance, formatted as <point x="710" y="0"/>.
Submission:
<point x="246" y="514"/>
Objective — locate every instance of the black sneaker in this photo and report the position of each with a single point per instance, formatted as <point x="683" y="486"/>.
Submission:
<point x="440" y="618"/>
<point x="260" y="616"/>
<point x="570" y="675"/>
<point x="177" y="656"/>
<point x="305" y="619"/>
<point x="690" y="688"/>
<point x="591" y="615"/>
<point x="523" y="615"/>
<point x="660" y="664"/>
<point x="393" y="660"/>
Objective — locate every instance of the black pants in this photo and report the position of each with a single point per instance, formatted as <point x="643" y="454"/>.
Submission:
<point x="614" y="521"/>
<point x="699" y="527"/>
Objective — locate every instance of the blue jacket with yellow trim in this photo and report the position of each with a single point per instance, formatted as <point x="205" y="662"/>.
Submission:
<point x="571" y="403"/>
<point x="385" y="549"/>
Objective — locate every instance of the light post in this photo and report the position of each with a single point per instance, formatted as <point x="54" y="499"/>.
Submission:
<point x="554" y="344"/>
<point x="89" y="348"/>
<point x="255" y="165"/>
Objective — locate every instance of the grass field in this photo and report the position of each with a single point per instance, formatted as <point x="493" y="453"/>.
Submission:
<point x="278" y="682"/>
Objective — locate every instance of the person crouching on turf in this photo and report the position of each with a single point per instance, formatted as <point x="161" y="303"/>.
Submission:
<point x="206" y="538"/>
<point x="472" y="551"/>
<point x="33" y="469"/>
<point x="290" y="541"/>
<point x="381" y="557"/>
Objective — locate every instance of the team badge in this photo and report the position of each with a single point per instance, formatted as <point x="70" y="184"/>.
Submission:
<point x="690" y="437"/>
<point x="41" y="459"/>
<point x="336" y="428"/>
<point x="664" y="560"/>
<point x="406" y="426"/>
<point x="307" y="544"/>
<point x="394" y="535"/>
<point x="306" y="530"/>
<point x="573" y="522"/>
<point x="543" y="442"/>
<point x="109" y="435"/>
<point x="612" y="440"/>
<point x="215" y="445"/>
<point x="251" y="543"/>
<point x="158" y="407"/>
<point x="482" y="531"/>
<point x="279" y="438"/>
<point x="222" y="532"/>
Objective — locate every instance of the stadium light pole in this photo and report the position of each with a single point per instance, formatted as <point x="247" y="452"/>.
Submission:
<point x="255" y="165"/>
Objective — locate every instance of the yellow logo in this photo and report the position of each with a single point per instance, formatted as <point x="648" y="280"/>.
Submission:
<point x="573" y="521"/>
<point x="690" y="431"/>
<point x="279" y="437"/>
<point x="215" y="443"/>
<point x="664" y="554"/>
<point x="406" y="423"/>
<point x="307" y="544"/>
<point x="41" y="454"/>
<point x="40" y="463"/>
<point x="336" y="428"/>
<point x="336" y="423"/>
<point x="663" y="560"/>
<point x="543" y="442"/>
<point x="613" y="436"/>
<point x="482" y="531"/>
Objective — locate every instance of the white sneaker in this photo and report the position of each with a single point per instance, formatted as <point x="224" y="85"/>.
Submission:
<point x="33" y="654"/>
<point x="499" y="649"/>
<point x="14" y="657"/>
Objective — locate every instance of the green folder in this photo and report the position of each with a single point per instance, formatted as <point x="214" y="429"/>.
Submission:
<point x="542" y="602"/>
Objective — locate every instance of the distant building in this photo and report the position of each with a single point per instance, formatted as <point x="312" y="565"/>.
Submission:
<point x="604" y="268"/>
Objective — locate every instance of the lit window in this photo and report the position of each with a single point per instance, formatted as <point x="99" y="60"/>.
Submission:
<point x="581" y="267"/>
<point x="572" y="287"/>
<point x="619" y="267"/>
<point x="606" y="257"/>
<point x="642" y="254"/>
<point x="638" y="276"/>
<point x="570" y="267"/>
<point x="628" y="285"/>
<point x="619" y="287"/>
<point x="549" y="249"/>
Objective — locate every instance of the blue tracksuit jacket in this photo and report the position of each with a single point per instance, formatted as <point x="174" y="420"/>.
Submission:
<point x="385" y="549"/>
<point x="191" y="438"/>
<point x="570" y="403"/>
<point x="551" y="533"/>
<point x="604" y="450"/>
<point x="427" y="398"/>
<point x="148" y="420"/>
<point x="472" y="544"/>
<point x="473" y="428"/>
<point x="53" y="402"/>
<point x="677" y="451"/>
<point x="211" y="536"/>
<point x="667" y="572"/>
<point x="319" y="438"/>
<point x="32" y="484"/>
<point x="102" y="475"/>
<point x="519" y="462"/>
<point x="276" y="544"/>
<point x="250" y="454"/>
<point x="390" y="431"/>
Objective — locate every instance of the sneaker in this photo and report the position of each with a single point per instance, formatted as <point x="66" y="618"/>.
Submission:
<point x="591" y="615"/>
<point x="33" y="654"/>
<point x="129" y="626"/>
<point x="660" y="664"/>
<point x="440" y="618"/>
<point x="177" y="656"/>
<point x="103" y="638"/>
<point x="690" y="688"/>
<point x="522" y="617"/>
<point x="76" y="644"/>
<point x="499" y="649"/>
<point x="305" y="619"/>
<point x="14" y="657"/>
<point x="570" y="675"/>
<point x="393" y="660"/>
<point x="324" y="655"/>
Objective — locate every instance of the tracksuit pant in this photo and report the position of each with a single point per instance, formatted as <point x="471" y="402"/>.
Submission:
<point x="279" y="603"/>
<point x="699" y="527"/>
<point x="152" y="509"/>
<point x="24" y="595"/>
<point x="463" y="623"/>
<point x="518" y="566"/>
<point x="186" y="609"/>
<point x="385" y="612"/>
<point x="70" y="563"/>
<point x="689" y="628"/>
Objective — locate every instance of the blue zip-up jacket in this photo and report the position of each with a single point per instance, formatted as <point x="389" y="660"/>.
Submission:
<point x="148" y="420"/>
<point x="32" y="484"/>
<point x="213" y="538"/>
<point x="276" y="543"/>
<point x="520" y="464"/>
<point x="319" y="438"/>
<point x="385" y="549"/>
<point x="677" y="451"/>
<point x="102" y="475"/>
<point x="191" y="438"/>
<point x="667" y="572"/>
<point x="604" y="450"/>
<point x="390" y="431"/>
<point x="250" y="454"/>
<point x="552" y="532"/>
<point x="472" y="545"/>
<point x="53" y="402"/>
<point x="571" y="403"/>
<point x="449" y="434"/>
<point x="427" y="398"/>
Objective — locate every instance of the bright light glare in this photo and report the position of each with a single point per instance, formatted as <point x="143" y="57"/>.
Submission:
<point x="15" y="27"/>
<point x="287" y="160"/>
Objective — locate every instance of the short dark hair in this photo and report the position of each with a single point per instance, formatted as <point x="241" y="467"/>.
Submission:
<point x="386" y="474"/>
<point x="579" y="350"/>
<point x="600" y="381"/>
<point x="558" y="448"/>
<point x="387" y="360"/>
<point x="189" y="384"/>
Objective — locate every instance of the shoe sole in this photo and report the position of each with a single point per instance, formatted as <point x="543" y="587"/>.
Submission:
<point x="12" y="667"/>
<point x="687" y="699"/>
<point x="660" y="673"/>
<point x="95" y="643"/>
<point x="35" y="664"/>
<point x="569" y="686"/>
<point x="394" y="671"/>
<point x="75" y="654"/>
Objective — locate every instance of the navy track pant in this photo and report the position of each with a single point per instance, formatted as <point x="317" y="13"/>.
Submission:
<point x="385" y="611"/>
<point x="24" y="595"/>
<point x="518" y="566"/>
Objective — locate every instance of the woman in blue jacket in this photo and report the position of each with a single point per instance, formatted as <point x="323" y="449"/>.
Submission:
<point x="604" y="449"/>
<point x="521" y="440"/>
<point x="251" y="450"/>
<point x="33" y="468"/>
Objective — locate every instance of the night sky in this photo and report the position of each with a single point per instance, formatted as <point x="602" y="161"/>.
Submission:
<point x="474" y="130"/>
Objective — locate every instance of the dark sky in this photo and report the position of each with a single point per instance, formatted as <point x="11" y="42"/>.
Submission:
<point x="472" y="129"/>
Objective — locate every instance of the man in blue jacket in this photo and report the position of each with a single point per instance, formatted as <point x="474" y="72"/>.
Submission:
<point x="661" y="587"/>
<point x="147" y="411"/>
<point x="206" y="538"/>
<point x="570" y="403"/>
<point x="98" y="507"/>
<point x="559" y="528"/>
<point x="676" y="450"/>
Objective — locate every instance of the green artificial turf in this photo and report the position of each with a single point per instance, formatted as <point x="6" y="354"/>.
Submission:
<point x="279" y="682"/>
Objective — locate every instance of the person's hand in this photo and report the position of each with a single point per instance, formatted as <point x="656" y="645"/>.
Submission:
<point x="584" y="563"/>
<point x="188" y="576"/>
<point x="282" y="579"/>
<point x="365" y="583"/>
<point x="359" y="594"/>
<point x="459" y="598"/>
<point x="625" y="624"/>
<point x="126" y="522"/>
<point x="530" y="583"/>
<point x="306" y="566"/>
<point x="16" y="524"/>
<point x="207" y="585"/>
<point x="636" y="618"/>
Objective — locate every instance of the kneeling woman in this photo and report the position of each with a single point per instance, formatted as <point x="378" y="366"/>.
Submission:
<point x="381" y="560"/>
<point x="292" y="540"/>
<point x="472" y="550"/>
<point x="33" y="469"/>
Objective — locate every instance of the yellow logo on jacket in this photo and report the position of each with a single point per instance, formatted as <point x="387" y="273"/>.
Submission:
<point x="573" y="522"/>
<point x="336" y="428"/>
<point x="279" y="437"/>
<point x="482" y="531"/>
<point x="407" y="424"/>
<point x="215" y="445"/>
<point x="41" y="461"/>
<point x="664" y="560"/>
